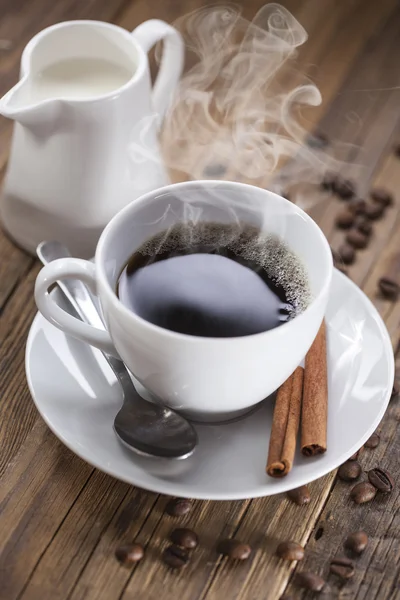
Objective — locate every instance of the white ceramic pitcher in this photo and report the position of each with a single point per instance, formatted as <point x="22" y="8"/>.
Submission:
<point x="77" y="158"/>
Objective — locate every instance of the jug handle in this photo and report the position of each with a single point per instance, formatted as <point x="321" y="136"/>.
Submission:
<point x="147" y="35"/>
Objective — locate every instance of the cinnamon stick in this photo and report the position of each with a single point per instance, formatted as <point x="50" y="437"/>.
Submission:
<point x="285" y="425"/>
<point x="315" y="397"/>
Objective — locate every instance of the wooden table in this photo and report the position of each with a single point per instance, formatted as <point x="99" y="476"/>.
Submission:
<point x="60" y="519"/>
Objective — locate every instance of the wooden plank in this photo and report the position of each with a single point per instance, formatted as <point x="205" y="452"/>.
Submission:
<point x="214" y="521"/>
<point x="268" y="521"/>
<point x="87" y="568"/>
<point x="344" y="109"/>
<point x="377" y="570"/>
<point x="377" y="111"/>
<point x="381" y="229"/>
<point x="103" y="578"/>
<point x="36" y="496"/>
<point x="15" y="264"/>
<point x="102" y="502"/>
<point x="334" y="45"/>
<point x="17" y="411"/>
<point x="385" y="237"/>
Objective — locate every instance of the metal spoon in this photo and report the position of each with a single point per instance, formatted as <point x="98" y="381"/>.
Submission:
<point x="144" y="427"/>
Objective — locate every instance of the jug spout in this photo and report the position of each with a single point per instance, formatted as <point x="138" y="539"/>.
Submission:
<point x="18" y="106"/>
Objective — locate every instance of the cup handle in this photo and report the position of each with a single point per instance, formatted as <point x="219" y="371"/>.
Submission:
<point x="149" y="33"/>
<point x="70" y="268"/>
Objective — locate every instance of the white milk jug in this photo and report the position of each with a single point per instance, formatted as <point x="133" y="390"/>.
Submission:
<point x="85" y="136"/>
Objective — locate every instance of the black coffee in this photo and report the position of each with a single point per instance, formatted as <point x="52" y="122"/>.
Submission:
<point x="214" y="280"/>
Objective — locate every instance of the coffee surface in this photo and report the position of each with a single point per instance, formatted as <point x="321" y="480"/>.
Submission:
<point x="209" y="282"/>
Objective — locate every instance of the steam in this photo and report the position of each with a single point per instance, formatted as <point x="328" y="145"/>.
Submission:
<point x="234" y="115"/>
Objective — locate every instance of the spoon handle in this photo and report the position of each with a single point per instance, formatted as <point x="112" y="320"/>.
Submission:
<point x="145" y="427"/>
<point x="82" y="302"/>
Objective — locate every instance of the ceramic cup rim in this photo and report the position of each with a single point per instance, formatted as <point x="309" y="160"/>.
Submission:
<point x="132" y="317"/>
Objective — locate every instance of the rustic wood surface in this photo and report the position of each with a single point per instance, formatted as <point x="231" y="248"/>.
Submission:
<point x="60" y="519"/>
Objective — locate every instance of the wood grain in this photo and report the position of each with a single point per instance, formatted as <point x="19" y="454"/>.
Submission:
<point x="34" y="501"/>
<point x="61" y="521"/>
<point x="378" y="569"/>
<point x="17" y="412"/>
<point x="210" y="520"/>
<point x="267" y="522"/>
<point x="105" y="513"/>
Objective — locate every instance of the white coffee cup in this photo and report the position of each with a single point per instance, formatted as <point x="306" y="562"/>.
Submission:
<point x="209" y="379"/>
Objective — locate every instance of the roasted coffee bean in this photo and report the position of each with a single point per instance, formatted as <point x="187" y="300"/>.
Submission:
<point x="362" y="224"/>
<point x="129" y="554"/>
<point x="290" y="551"/>
<point x="357" y="239"/>
<point x="395" y="389"/>
<point x="345" y="219"/>
<point x="317" y="140"/>
<point x="382" y="196"/>
<point x="349" y="471"/>
<point x="373" y="441"/>
<point x="357" y="206"/>
<point x="389" y="288"/>
<point x="342" y="566"/>
<point x="300" y="495"/>
<point x="344" y="188"/>
<point x="374" y="211"/>
<point x="214" y="170"/>
<point x="177" y="507"/>
<point x="234" y="549"/>
<point x="175" y="556"/>
<point x="347" y="254"/>
<point x="363" y="492"/>
<point x="381" y="480"/>
<point x="356" y="454"/>
<point x="356" y="542"/>
<point x="185" y="538"/>
<point x="329" y="181"/>
<point x="310" y="581"/>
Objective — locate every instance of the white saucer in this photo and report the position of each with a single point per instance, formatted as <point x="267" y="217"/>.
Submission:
<point x="78" y="397"/>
